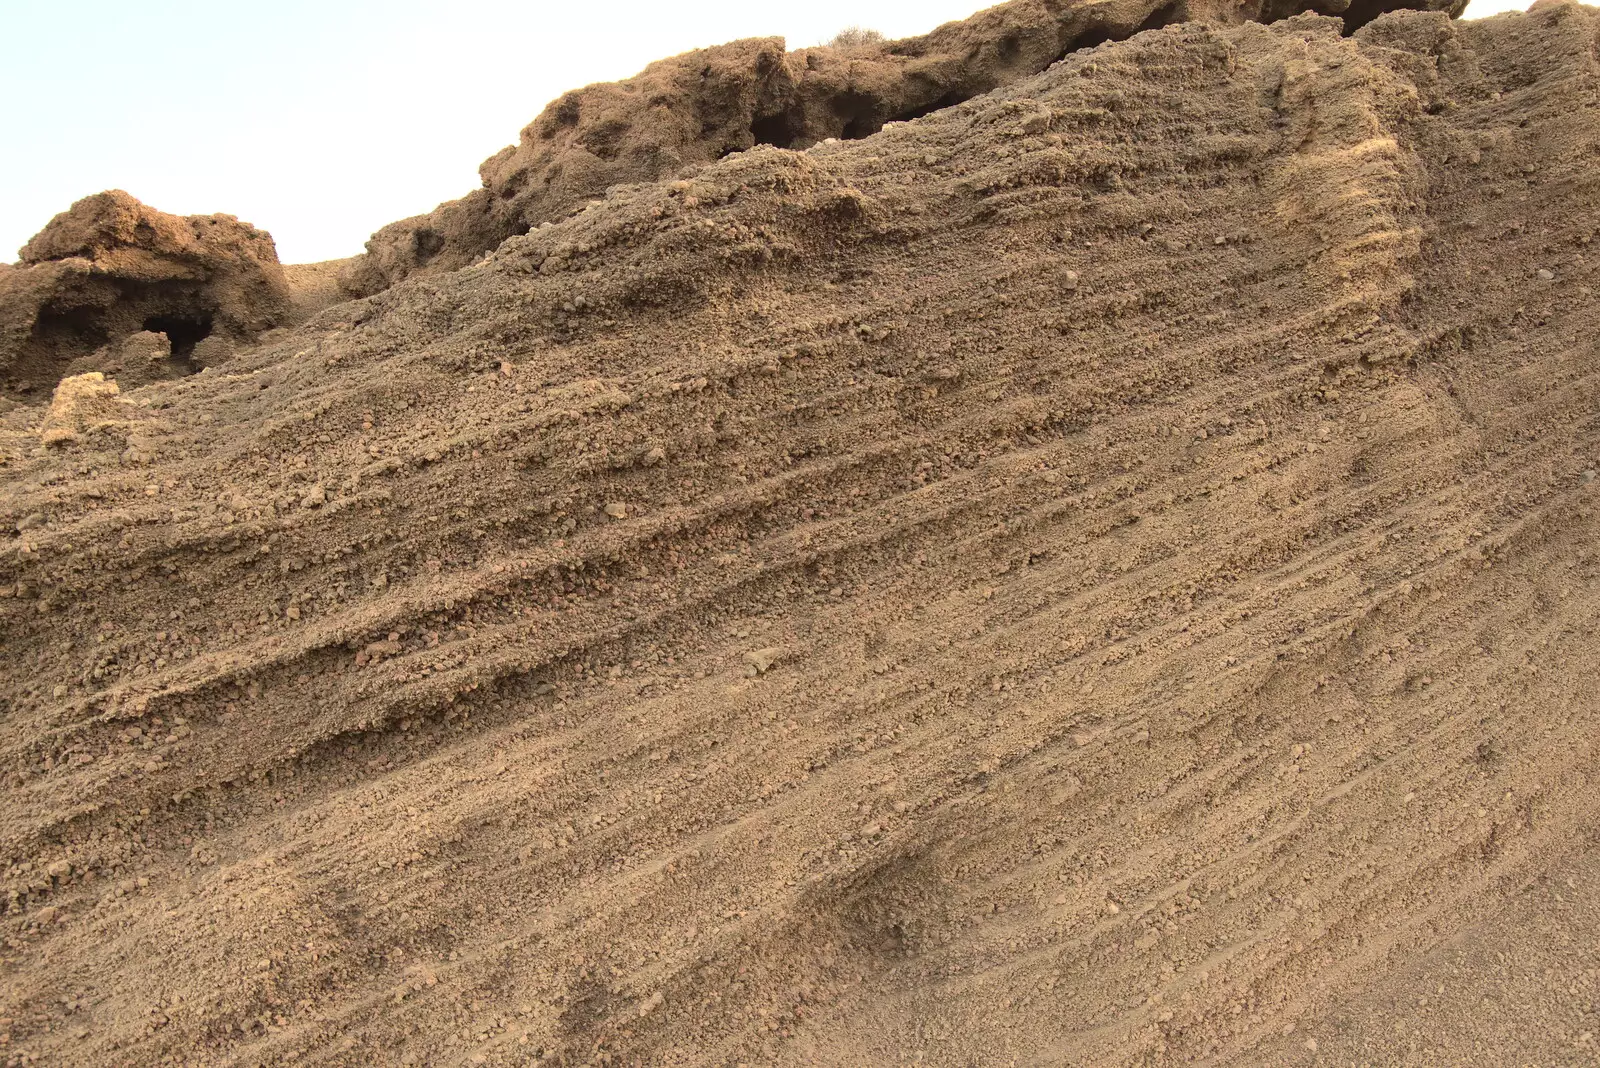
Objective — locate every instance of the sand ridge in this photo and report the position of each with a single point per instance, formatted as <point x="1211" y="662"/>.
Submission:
<point x="1103" y="573"/>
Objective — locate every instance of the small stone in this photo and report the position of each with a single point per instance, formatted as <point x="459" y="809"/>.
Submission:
<point x="28" y="522"/>
<point x="654" y="456"/>
<point x="46" y="916"/>
<point x="1220" y="241"/>
<point x="1071" y="281"/>
<point x="1587" y="477"/>
<point x="1113" y="908"/>
<point x="1311" y="1045"/>
<point x="870" y="829"/>
<point x="617" y="510"/>
<point x="316" y="497"/>
<point x="761" y="661"/>
<point x="378" y="650"/>
<point x="1546" y="275"/>
<point x="59" y="869"/>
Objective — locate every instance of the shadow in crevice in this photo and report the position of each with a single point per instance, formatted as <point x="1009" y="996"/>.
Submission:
<point x="1361" y="12"/>
<point x="184" y="332"/>
<point x="853" y="113"/>
<point x="1099" y="33"/>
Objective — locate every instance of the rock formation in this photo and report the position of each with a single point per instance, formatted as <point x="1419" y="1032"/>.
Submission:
<point x="687" y="111"/>
<point x="111" y="267"/>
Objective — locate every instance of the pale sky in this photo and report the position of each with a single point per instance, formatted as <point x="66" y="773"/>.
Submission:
<point x="321" y="120"/>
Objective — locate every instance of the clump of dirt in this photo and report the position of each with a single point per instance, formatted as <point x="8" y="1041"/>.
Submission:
<point x="110" y="268"/>
<point x="1105" y="573"/>
<point x="687" y="111"/>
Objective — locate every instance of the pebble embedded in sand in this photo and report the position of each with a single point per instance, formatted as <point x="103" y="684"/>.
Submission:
<point x="617" y="510"/>
<point x="761" y="661"/>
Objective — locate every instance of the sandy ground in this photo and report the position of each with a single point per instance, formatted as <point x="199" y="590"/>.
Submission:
<point x="1103" y="574"/>
<point x="314" y="286"/>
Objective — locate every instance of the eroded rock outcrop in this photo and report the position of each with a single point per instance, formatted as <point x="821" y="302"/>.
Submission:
<point x="111" y="268"/>
<point x="697" y="107"/>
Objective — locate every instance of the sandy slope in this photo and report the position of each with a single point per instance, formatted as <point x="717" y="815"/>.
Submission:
<point x="1104" y="574"/>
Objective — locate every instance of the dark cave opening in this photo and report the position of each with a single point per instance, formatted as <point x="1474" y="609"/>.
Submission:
<point x="183" y="331"/>
<point x="948" y="100"/>
<point x="860" y="112"/>
<point x="426" y="243"/>
<point x="1361" y="12"/>
<point x="72" y="330"/>
<point x="1099" y="34"/>
<point x="780" y="129"/>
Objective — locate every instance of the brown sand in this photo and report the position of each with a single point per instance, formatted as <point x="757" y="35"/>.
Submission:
<point x="314" y="286"/>
<point x="1103" y="574"/>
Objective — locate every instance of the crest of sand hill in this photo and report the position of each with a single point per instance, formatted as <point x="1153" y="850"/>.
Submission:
<point x="1103" y="573"/>
<point x="115" y="286"/>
